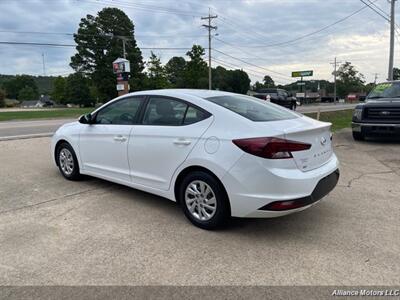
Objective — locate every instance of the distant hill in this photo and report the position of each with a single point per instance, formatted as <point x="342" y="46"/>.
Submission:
<point x="44" y="83"/>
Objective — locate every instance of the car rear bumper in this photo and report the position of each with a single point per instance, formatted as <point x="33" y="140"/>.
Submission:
<point x="252" y="187"/>
<point x="376" y="128"/>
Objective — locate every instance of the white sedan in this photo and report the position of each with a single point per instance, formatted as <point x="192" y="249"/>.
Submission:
<point x="218" y="154"/>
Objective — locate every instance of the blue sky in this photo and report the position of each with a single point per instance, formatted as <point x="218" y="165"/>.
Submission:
<point x="246" y="31"/>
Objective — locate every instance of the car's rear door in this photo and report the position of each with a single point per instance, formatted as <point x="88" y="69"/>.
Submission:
<point x="103" y="146"/>
<point x="169" y="130"/>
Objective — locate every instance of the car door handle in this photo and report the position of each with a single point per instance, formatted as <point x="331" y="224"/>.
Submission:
<point x="182" y="142"/>
<point x="119" y="138"/>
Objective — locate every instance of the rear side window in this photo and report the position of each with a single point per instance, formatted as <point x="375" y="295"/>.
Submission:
<point x="169" y="112"/>
<point x="164" y="111"/>
<point x="194" y="115"/>
<point x="253" y="109"/>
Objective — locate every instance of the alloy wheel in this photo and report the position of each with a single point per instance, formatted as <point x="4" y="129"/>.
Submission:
<point x="200" y="200"/>
<point x="66" y="161"/>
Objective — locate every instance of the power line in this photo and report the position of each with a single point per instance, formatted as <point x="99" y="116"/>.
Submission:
<point x="83" y="34"/>
<point x="378" y="8"/>
<point x="73" y="45"/>
<point x="245" y="52"/>
<point x="376" y="11"/>
<point x="250" y="64"/>
<point x="313" y="32"/>
<point x="148" y="8"/>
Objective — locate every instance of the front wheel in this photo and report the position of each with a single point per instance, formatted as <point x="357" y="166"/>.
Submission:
<point x="67" y="162"/>
<point x="204" y="201"/>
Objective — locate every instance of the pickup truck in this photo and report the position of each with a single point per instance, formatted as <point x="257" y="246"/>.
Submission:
<point x="380" y="114"/>
<point x="277" y="96"/>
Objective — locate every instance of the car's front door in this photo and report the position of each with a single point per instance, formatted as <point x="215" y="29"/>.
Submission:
<point x="169" y="131"/>
<point x="103" y="145"/>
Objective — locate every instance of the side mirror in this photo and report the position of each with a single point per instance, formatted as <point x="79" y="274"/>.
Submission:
<point x="86" y="119"/>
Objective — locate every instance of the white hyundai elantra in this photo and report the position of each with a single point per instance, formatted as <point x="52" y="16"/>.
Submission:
<point x="218" y="154"/>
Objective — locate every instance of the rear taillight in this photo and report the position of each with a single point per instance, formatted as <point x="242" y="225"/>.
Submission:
<point x="270" y="147"/>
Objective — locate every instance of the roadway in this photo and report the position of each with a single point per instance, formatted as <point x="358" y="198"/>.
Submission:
<point x="10" y="130"/>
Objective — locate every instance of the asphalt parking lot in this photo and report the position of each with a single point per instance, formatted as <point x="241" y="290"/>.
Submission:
<point x="56" y="232"/>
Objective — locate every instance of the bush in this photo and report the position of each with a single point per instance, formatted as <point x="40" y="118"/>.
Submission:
<point x="2" y="98"/>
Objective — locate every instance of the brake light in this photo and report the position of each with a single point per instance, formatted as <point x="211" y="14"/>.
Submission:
<point x="271" y="147"/>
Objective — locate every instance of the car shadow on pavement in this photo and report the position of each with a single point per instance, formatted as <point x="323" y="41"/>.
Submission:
<point x="157" y="206"/>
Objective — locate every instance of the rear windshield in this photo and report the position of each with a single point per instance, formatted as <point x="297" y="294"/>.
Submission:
<point x="253" y="109"/>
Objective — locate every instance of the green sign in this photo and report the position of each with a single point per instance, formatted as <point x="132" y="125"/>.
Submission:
<point x="302" y="73"/>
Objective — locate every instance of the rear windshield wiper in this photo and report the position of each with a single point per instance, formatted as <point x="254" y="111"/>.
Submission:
<point x="375" y="97"/>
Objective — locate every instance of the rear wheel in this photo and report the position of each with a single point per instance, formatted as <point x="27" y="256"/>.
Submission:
<point x="358" y="136"/>
<point x="203" y="200"/>
<point x="67" y="162"/>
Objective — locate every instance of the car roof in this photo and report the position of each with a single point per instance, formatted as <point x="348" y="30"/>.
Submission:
<point x="182" y="92"/>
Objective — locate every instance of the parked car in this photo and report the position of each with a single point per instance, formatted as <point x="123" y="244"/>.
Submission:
<point x="277" y="96"/>
<point x="380" y="114"/>
<point x="218" y="154"/>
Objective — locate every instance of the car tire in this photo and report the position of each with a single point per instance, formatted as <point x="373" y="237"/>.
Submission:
<point x="67" y="162"/>
<point x="358" y="136"/>
<point x="204" y="200"/>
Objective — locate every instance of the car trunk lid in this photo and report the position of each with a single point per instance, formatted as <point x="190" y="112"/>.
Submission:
<point x="312" y="132"/>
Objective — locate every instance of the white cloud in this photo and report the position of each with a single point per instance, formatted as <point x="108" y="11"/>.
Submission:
<point x="362" y="39"/>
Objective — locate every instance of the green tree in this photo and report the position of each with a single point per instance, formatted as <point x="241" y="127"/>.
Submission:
<point x="268" y="82"/>
<point x="349" y="80"/>
<point x="99" y="43"/>
<point x="196" y="69"/>
<point x="219" y="79"/>
<point x="58" y="93"/>
<point x="396" y="74"/>
<point x="175" y="71"/>
<point x="2" y="98"/>
<point x="156" y="75"/>
<point x="14" y="86"/>
<point x="27" y="93"/>
<point x="77" y="90"/>
<point x="238" y="81"/>
<point x="257" y="85"/>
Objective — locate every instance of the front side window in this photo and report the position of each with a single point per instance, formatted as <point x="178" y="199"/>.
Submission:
<point x="253" y="109"/>
<point x="122" y="112"/>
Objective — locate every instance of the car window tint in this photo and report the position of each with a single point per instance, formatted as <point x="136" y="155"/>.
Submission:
<point x="194" y="115"/>
<point x="253" y="109"/>
<point x="164" y="111"/>
<point x="122" y="112"/>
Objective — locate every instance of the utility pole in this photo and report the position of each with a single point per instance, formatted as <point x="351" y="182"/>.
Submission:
<point x="44" y="66"/>
<point x="392" y="29"/>
<point x="376" y="77"/>
<point x="335" y="64"/>
<point x="209" y="27"/>
<point x="124" y="39"/>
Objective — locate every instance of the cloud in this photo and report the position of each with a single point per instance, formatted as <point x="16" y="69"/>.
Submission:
<point x="243" y="25"/>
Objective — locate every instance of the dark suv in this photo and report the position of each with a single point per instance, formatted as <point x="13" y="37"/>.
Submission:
<point x="380" y="114"/>
<point x="277" y="96"/>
